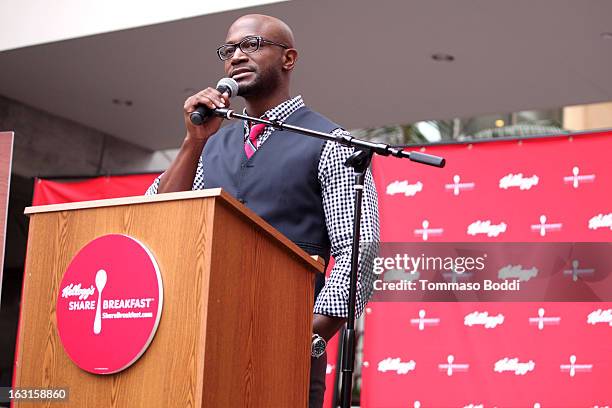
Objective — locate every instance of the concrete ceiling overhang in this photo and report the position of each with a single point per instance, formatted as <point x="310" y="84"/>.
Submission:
<point x="362" y="63"/>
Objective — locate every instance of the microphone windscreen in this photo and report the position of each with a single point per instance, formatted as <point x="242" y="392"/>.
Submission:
<point x="228" y="85"/>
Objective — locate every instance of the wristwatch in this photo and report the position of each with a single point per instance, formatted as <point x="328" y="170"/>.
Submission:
<point x="318" y="346"/>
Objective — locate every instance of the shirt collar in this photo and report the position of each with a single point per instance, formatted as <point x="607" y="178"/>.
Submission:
<point x="281" y="111"/>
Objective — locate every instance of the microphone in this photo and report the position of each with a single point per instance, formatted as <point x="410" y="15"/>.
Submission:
<point x="427" y="159"/>
<point x="202" y="112"/>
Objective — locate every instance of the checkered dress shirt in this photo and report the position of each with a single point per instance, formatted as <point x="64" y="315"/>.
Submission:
<point x="338" y="205"/>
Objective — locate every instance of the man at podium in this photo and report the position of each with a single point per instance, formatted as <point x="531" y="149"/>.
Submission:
<point x="296" y="183"/>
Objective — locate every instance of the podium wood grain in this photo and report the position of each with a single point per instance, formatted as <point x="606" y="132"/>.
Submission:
<point x="236" y="319"/>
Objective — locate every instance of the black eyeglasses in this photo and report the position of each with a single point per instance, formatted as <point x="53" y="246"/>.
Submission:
<point x="249" y="44"/>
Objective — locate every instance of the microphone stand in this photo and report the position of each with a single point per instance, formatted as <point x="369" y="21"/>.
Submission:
<point x="360" y="161"/>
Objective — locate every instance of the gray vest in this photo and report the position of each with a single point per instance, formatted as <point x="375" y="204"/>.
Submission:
<point x="279" y="182"/>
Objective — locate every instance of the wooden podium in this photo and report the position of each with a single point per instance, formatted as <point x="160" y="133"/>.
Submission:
<point x="237" y="315"/>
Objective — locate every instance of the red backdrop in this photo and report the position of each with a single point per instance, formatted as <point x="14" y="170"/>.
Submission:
<point x="506" y="191"/>
<point x="98" y="188"/>
<point x="402" y="360"/>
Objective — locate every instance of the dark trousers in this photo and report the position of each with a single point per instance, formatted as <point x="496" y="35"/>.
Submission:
<point x="318" y="368"/>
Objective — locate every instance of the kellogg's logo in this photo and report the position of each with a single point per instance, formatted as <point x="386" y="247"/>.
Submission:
<point x="514" y="365"/>
<point x="518" y="180"/>
<point x="109" y="305"/>
<point x="483" y="319"/>
<point x="487" y="228"/>
<point x="397" y="365"/>
<point x="601" y="221"/>
<point x="405" y="188"/>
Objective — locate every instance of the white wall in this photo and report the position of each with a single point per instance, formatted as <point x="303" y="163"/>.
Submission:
<point x="26" y="23"/>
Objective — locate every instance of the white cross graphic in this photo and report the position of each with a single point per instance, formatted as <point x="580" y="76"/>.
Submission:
<point x="456" y="186"/>
<point x="542" y="227"/>
<point x="451" y="367"/>
<point x="575" y="179"/>
<point x="574" y="272"/>
<point x="417" y="404"/>
<point x="422" y="321"/>
<point x="541" y="320"/>
<point x="574" y="368"/>
<point x="426" y="232"/>
<point x="536" y="405"/>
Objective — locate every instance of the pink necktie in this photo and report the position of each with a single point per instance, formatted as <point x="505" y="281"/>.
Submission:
<point x="251" y="144"/>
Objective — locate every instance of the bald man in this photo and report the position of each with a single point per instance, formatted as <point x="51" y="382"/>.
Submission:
<point x="296" y="183"/>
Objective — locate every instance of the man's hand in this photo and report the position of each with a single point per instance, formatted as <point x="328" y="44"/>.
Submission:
<point x="327" y="326"/>
<point x="211" y="98"/>
<point x="182" y="170"/>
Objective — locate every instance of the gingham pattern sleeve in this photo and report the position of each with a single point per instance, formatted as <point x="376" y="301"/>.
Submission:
<point x="154" y="186"/>
<point x="198" y="181"/>
<point x="337" y="184"/>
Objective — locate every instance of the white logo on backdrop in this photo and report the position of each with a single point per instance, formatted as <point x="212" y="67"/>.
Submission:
<point x="518" y="180"/>
<point x="600" y="316"/>
<point x="403" y="187"/>
<point x="426" y="232"/>
<point x="397" y="365"/>
<point x="514" y="365"/>
<point x="517" y="272"/>
<point x="575" y="179"/>
<point x="542" y="321"/>
<point x="486" y="227"/>
<point x="575" y="272"/>
<point x="574" y="368"/>
<point x="601" y="221"/>
<point x="543" y="227"/>
<point x="457" y="186"/>
<point x="423" y="321"/>
<point x="483" y="319"/>
<point x="452" y="367"/>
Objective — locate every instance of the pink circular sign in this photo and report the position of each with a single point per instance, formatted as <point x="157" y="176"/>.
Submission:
<point x="109" y="304"/>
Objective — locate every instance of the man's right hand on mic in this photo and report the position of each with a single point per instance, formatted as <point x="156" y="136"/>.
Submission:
<point x="179" y="176"/>
<point x="212" y="99"/>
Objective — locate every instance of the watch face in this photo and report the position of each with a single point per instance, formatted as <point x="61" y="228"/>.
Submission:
<point x="318" y="347"/>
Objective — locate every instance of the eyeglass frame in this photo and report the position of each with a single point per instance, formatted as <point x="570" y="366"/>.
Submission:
<point x="260" y="40"/>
